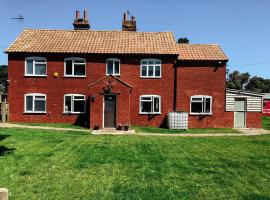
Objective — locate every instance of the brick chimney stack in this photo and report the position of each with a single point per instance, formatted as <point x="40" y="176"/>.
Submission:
<point x="128" y="25"/>
<point x="81" y="23"/>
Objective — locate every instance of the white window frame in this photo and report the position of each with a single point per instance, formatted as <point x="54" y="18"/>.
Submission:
<point x="73" y="59"/>
<point x="33" y="107"/>
<point x="113" y="60"/>
<point x="72" y="103"/>
<point x="203" y="104"/>
<point x="34" y="68"/>
<point x="152" y="100"/>
<point x="154" y="67"/>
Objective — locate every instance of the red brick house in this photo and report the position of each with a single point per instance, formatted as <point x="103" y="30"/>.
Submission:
<point x="106" y="78"/>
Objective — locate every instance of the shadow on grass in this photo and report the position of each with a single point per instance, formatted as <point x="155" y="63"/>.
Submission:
<point x="256" y="196"/>
<point x="3" y="149"/>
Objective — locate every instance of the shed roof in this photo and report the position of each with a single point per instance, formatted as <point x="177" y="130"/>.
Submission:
<point x="207" y="52"/>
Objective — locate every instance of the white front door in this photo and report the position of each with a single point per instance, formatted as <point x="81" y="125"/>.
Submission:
<point x="240" y="113"/>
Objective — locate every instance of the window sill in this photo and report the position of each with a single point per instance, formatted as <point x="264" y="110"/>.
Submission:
<point x="150" y="113"/>
<point x="118" y="75"/>
<point x="73" y="113"/>
<point x="35" y="75"/>
<point x="74" y="76"/>
<point x="149" y="77"/>
<point x="28" y="112"/>
<point x="205" y="114"/>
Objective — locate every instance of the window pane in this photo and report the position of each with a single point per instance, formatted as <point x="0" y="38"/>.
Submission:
<point x="146" y="106"/>
<point x="78" y="97"/>
<point x="197" y="99"/>
<point x="40" y="69"/>
<point x="207" y="105"/>
<point x="150" y="62"/>
<point x="29" y="67"/>
<point x="67" y="103"/>
<point x="144" y="62"/>
<point x="40" y="60"/>
<point x="157" y="70"/>
<point x="109" y="67"/>
<point x="196" y="107"/>
<point x="79" y="70"/>
<point x="79" y="61"/>
<point x="157" y="62"/>
<point x="39" y="105"/>
<point x="156" y="104"/>
<point x="29" y="103"/>
<point x="40" y="97"/>
<point x="68" y="67"/>
<point x="78" y="106"/>
<point x="151" y="70"/>
<point x="147" y="98"/>
<point x="144" y="68"/>
<point x="116" y="67"/>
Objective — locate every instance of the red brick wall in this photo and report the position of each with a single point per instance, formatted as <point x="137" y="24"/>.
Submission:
<point x="254" y="119"/>
<point x="198" y="78"/>
<point x="55" y="88"/>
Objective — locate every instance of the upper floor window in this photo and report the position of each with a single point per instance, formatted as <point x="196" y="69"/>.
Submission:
<point x="200" y="104"/>
<point x="150" y="68"/>
<point x="75" y="67"/>
<point x="35" y="103"/>
<point x="150" y="104"/>
<point x="113" y="66"/>
<point x="74" y="103"/>
<point x="35" y="66"/>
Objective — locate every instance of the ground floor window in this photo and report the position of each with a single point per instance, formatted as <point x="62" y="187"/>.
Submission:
<point x="200" y="104"/>
<point x="150" y="104"/>
<point x="74" y="103"/>
<point x="35" y="103"/>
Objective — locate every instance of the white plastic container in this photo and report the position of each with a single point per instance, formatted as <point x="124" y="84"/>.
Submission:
<point x="178" y="120"/>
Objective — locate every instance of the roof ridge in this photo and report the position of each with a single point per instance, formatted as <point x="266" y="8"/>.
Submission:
<point x="91" y="30"/>
<point x="198" y="44"/>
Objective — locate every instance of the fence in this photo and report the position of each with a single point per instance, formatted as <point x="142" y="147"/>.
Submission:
<point x="4" y="111"/>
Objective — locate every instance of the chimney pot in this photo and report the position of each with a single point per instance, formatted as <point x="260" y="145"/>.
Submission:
<point x="85" y="15"/>
<point x="125" y="16"/>
<point x="77" y="14"/>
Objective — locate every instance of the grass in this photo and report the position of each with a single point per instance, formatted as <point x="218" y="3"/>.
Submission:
<point x="55" y="125"/>
<point x="42" y="164"/>
<point x="150" y="129"/>
<point x="266" y="122"/>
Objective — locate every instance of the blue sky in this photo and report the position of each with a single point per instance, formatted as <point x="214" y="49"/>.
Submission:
<point x="241" y="27"/>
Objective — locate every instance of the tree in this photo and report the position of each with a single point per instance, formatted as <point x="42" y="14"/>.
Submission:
<point x="3" y="75"/>
<point x="258" y="84"/>
<point x="183" y="40"/>
<point x="237" y="80"/>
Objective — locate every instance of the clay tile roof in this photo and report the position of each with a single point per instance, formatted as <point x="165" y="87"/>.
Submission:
<point x="91" y="41"/>
<point x="205" y="52"/>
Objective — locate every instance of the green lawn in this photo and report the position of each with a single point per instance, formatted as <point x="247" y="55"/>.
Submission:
<point x="151" y="129"/>
<point x="266" y="122"/>
<point x="42" y="164"/>
<point x="56" y="125"/>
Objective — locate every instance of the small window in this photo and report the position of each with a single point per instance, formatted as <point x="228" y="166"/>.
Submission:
<point x="35" y="66"/>
<point x="150" y="104"/>
<point x="201" y="105"/>
<point x="35" y="103"/>
<point x="74" y="103"/>
<point x="150" y="68"/>
<point x="75" y="67"/>
<point x="113" y="66"/>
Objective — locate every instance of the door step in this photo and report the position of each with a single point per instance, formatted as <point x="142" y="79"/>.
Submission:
<point x="112" y="131"/>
